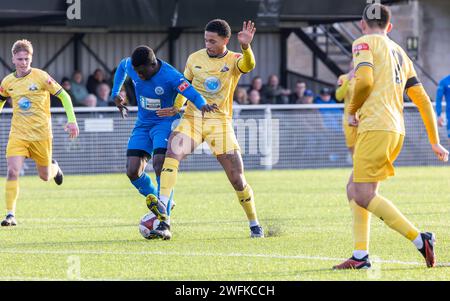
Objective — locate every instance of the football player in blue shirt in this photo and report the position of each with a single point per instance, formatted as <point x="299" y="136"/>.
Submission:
<point x="443" y="90"/>
<point x="156" y="84"/>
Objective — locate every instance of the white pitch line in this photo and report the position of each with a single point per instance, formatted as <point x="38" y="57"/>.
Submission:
<point x="193" y="254"/>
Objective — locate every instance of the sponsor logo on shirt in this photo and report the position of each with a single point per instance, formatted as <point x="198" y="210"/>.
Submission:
<point x="212" y="84"/>
<point x="24" y="104"/>
<point x="361" y="47"/>
<point x="184" y="85"/>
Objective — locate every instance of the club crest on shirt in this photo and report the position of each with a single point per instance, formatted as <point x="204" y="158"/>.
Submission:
<point x="33" y="87"/>
<point x="159" y="90"/>
<point x="225" y="68"/>
<point x="24" y="104"/>
<point x="212" y="84"/>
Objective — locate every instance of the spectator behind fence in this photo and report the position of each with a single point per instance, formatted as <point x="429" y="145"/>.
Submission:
<point x="103" y="92"/>
<point x="254" y="97"/>
<point x="273" y="93"/>
<point x="257" y="84"/>
<point x="240" y="96"/>
<point x="298" y="95"/>
<point x="332" y="117"/>
<point x="90" y="101"/>
<point x="308" y="97"/>
<point x="79" y="91"/>
<point x="95" y="80"/>
<point x="67" y="85"/>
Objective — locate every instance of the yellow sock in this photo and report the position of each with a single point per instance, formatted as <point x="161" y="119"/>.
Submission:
<point x="168" y="176"/>
<point x="361" y="226"/>
<point x="11" y="193"/>
<point x="247" y="202"/>
<point x="53" y="170"/>
<point x="386" y="211"/>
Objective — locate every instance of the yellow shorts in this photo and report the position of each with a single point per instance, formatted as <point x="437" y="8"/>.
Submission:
<point x="375" y="153"/>
<point x="39" y="151"/>
<point x="219" y="134"/>
<point x="350" y="133"/>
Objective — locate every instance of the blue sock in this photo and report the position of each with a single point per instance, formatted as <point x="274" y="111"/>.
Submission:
<point x="158" y="180"/>
<point x="144" y="185"/>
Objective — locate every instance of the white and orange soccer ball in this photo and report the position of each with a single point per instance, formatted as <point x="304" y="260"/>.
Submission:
<point x="148" y="222"/>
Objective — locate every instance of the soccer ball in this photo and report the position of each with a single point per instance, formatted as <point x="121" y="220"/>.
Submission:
<point x="148" y="223"/>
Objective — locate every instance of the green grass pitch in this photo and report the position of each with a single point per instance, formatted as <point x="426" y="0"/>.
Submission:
<point x="87" y="229"/>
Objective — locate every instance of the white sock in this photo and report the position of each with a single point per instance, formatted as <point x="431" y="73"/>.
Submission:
<point x="253" y="223"/>
<point x="164" y="199"/>
<point x="360" y="254"/>
<point x="418" y="242"/>
<point x="10" y="213"/>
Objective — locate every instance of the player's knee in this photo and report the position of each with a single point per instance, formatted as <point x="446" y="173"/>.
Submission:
<point x="363" y="198"/>
<point x="238" y="182"/>
<point x="45" y="176"/>
<point x="13" y="173"/>
<point x="157" y="166"/>
<point x="132" y="173"/>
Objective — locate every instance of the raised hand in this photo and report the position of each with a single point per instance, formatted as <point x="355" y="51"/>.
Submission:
<point x="245" y="36"/>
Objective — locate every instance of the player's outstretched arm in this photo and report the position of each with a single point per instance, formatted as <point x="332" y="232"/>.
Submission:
<point x="180" y="100"/>
<point x="422" y="101"/>
<point x="188" y="91"/>
<point x="71" y="126"/>
<point x="247" y="63"/>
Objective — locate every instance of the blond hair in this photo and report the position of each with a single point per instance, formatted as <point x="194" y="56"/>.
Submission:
<point x="22" y="45"/>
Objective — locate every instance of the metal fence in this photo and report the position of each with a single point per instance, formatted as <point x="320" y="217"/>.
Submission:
<point x="271" y="137"/>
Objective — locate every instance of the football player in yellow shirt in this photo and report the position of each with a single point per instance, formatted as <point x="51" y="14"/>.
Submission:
<point x="383" y="73"/>
<point x="214" y="72"/>
<point x="31" y="131"/>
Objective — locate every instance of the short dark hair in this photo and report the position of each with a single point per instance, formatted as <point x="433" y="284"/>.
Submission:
<point x="143" y="55"/>
<point x="377" y="15"/>
<point x="219" y="26"/>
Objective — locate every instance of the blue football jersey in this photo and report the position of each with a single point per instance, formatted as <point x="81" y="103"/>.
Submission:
<point x="158" y="92"/>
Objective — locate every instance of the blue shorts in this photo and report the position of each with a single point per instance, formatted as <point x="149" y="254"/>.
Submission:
<point x="149" y="138"/>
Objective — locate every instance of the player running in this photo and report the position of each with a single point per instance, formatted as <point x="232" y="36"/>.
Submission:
<point x="214" y="72"/>
<point x="383" y="73"/>
<point x="156" y="84"/>
<point x="31" y="127"/>
<point x="443" y="90"/>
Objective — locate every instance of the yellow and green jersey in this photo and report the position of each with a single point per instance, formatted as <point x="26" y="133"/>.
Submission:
<point x="216" y="79"/>
<point x="30" y="96"/>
